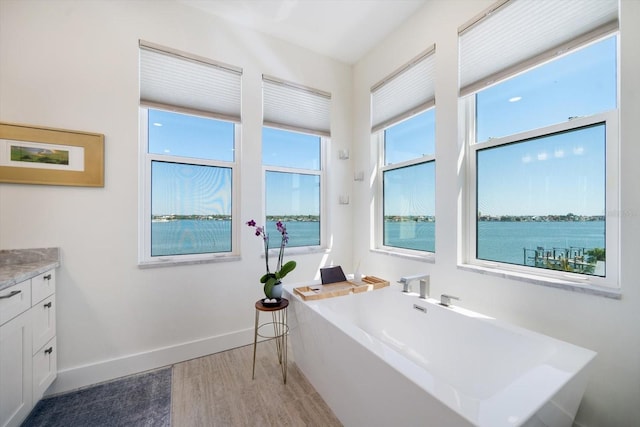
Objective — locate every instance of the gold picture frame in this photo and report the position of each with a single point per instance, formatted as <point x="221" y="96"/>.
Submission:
<point x="41" y="155"/>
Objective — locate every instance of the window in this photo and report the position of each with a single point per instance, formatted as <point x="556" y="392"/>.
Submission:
<point x="187" y="160"/>
<point x="294" y="137"/>
<point x="543" y="144"/>
<point x="292" y="183"/>
<point x="408" y="178"/>
<point x="403" y="119"/>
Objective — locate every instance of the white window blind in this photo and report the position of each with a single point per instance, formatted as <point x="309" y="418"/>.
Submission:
<point x="515" y="35"/>
<point x="181" y="81"/>
<point x="295" y="107"/>
<point x="407" y="91"/>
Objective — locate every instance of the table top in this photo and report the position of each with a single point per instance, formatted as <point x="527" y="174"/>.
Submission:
<point x="284" y="303"/>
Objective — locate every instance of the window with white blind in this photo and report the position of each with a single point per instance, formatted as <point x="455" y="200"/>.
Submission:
<point x="403" y="126"/>
<point x="189" y="128"/>
<point x="539" y="82"/>
<point x="296" y="130"/>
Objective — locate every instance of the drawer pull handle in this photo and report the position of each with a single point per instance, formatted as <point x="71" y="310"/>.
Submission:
<point x="10" y="294"/>
<point x="49" y="350"/>
<point x="47" y="277"/>
<point x="48" y="305"/>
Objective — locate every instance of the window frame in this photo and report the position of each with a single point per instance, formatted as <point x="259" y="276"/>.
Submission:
<point x="608" y="285"/>
<point x="378" y="232"/>
<point x="321" y="172"/>
<point x="144" y="221"/>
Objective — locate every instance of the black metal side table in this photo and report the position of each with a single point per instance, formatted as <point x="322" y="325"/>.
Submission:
<point x="280" y="331"/>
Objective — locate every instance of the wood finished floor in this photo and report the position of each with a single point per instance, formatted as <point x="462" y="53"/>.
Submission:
<point x="217" y="390"/>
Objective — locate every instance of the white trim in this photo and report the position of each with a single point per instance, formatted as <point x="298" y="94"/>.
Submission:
<point x="145" y="260"/>
<point x="189" y="111"/>
<point x="418" y="160"/>
<point x="377" y="240"/>
<point x="323" y="211"/>
<point x="552" y="282"/>
<point x="378" y="205"/>
<point x="85" y="375"/>
<point x="296" y="129"/>
<point x="144" y="186"/>
<point x="325" y="220"/>
<point x="558" y="279"/>
<point x="405" y="116"/>
<point x="423" y="256"/>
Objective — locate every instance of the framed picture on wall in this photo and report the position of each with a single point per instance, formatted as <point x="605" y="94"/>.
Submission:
<point x="40" y="155"/>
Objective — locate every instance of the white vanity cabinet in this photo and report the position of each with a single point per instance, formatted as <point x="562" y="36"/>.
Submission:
<point x="27" y="345"/>
<point x="43" y="316"/>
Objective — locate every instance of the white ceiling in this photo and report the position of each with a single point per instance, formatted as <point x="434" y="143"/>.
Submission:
<point x="342" y="29"/>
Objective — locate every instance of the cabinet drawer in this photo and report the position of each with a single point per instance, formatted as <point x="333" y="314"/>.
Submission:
<point x="45" y="368"/>
<point x="14" y="300"/>
<point x="42" y="286"/>
<point x="44" y="322"/>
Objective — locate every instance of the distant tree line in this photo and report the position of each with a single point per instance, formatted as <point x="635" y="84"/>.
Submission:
<point x="540" y="218"/>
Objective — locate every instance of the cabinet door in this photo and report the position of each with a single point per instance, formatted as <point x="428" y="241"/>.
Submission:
<point x="44" y="369"/>
<point x="44" y="322"/>
<point x="15" y="370"/>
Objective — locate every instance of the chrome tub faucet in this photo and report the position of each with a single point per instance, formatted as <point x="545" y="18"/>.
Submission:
<point x="424" y="283"/>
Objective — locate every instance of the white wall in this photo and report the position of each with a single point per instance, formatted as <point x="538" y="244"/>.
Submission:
<point x="74" y="65"/>
<point x="605" y="325"/>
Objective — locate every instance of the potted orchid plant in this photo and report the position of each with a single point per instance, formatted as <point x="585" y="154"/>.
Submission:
<point x="271" y="279"/>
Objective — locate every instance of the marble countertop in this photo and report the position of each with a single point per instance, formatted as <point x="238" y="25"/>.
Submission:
<point x="18" y="265"/>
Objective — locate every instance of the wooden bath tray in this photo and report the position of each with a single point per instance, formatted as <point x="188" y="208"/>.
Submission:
<point x="314" y="292"/>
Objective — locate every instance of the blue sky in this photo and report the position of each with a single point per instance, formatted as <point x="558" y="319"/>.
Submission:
<point x="287" y="193"/>
<point x="411" y="139"/>
<point x="410" y="190"/>
<point x="201" y="190"/>
<point x="549" y="176"/>
<point x="555" y="175"/>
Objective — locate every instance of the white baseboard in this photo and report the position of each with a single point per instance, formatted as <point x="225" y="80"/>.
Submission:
<point x="86" y="375"/>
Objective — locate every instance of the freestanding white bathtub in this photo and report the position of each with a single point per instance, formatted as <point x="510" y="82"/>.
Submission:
<point x="377" y="360"/>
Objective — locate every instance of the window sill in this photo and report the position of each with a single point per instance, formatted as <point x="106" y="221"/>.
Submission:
<point x="298" y="250"/>
<point x="429" y="257"/>
<point x="544" y="281"/>
<point x="173" y="261"/>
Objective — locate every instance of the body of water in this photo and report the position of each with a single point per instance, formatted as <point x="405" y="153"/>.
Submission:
<point x="504" y="241"/>
<point x="497" y="241"/>
<point x="190" y="236"/>
<point x="418" y="235"/>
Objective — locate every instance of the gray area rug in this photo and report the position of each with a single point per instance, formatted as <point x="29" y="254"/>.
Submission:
<point x="139" y="400"/>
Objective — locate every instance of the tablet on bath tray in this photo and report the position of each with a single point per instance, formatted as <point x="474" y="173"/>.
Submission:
<point x="332" y="275"/>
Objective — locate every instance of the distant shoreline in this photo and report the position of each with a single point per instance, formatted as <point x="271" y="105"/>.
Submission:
<point x="541" y="218"/>
<point x="395" y="218"/>
<point x="174" y="217"/>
